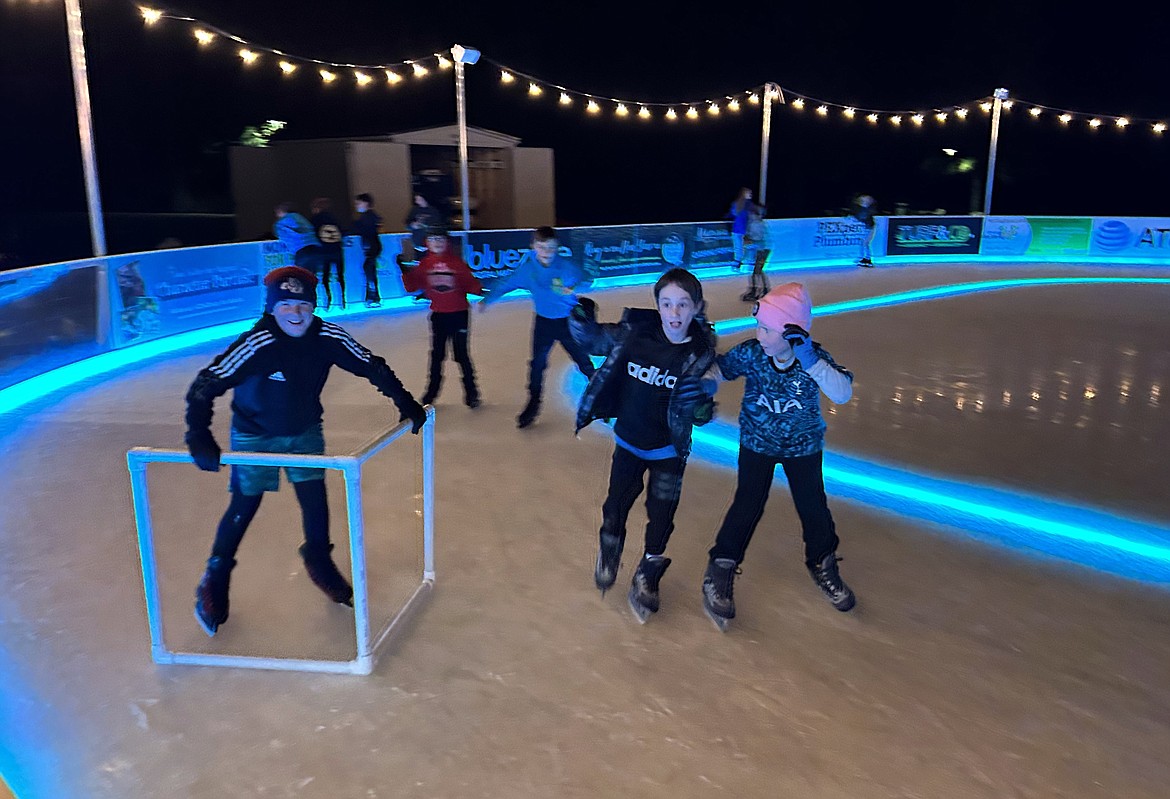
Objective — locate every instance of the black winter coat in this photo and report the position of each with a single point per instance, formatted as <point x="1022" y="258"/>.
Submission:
<point x="602" y="398"/>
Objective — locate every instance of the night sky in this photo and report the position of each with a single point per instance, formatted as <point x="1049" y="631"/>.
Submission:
<point x="164" y="110"/>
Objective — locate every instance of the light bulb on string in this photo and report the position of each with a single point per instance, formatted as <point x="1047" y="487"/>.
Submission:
<point x="419" y="69"/>
<point x="362" y="78"/>
<point x="506" y="76"/>
<point x="327" y="76"/>
<point x="823" y="110"/>
<point x="1065" y="118"/>
<point x="392" y="77"/>
<point x="621" y="110"/>
<point x="798" y="104"/>
<point x="961" y="113"/>
<point x="941" y="116"/>
<point x="534" y="90"/>
<point x="1094" y="123"/>
<point x="444" y="62"/>
<point x="873" y="118"/>
<point x="565" y="99"/>
<point x="671" y="114"/>
<point x="917" y="119"/>
<point x="592" y="107"/>
<point x="203" y="37"/>
<point x="896" y="120"/>
<point x="754" y="98"/>
<point x="150" y="15"/>
<point x="985" y="107"/>
<point x="733" y="105"/>
<point x="1159" y="127"/>
<point x="692" y="113"/>
<point x="713" y="109"/>
<point x="1121" y="122"/>
<point x="850" y="113"/>
<point x="644" y="112"/>
<point x="288" y="67"/>
<point x="1007" y="104"/>
<point x="248" y="57"/>
<point x="1035" y="112"/>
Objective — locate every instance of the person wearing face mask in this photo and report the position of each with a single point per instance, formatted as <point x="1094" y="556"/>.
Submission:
<point x="277" y="371"/>
<point x="780" y="423"/>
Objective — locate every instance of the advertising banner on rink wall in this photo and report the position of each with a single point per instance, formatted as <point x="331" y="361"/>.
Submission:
<point x="605" y="251"/>
<point x="825" y="239"/>
<point x="164" y="292"/>
<point x="931" y="236"/>
<point x="1036" y="236"/>
<point x="1147" y="238"/>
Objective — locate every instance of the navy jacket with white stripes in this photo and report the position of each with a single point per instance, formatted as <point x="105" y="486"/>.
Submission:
<point x="278" y="379"/>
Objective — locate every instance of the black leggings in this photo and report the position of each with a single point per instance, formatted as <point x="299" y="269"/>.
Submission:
<point x="625" y="485"/>
<point x="451" y="326"/>
<point x="242" y="509"/>
<point x="805" y="480"/>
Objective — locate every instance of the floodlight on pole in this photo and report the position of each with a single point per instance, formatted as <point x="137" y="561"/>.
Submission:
<point x="999" y="96"/>
<point x="463" y="55"/>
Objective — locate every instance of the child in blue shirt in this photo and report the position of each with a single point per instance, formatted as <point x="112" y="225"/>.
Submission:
<point x="553" y="282"/>
<point x="780" y="422"/>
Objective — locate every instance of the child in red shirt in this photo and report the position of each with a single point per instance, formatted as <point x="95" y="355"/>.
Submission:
<point x="446" y="280"/>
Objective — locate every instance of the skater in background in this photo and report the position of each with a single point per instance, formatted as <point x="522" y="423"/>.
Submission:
<point x="757" y="238"/>
<point x="328" y="231"/>
<point x="445" y="279"/>
<point x="297" y="234"/>
<point x="650" y="383"/>
<point x="553" y="282"/>
<point x="368" y="225"/>
<point x="739" y="214"/>
<point x="780" y="423"/>
<point x="278" y="370"/>
<point x="422" y="217"/>
<point x="863" y="209"/>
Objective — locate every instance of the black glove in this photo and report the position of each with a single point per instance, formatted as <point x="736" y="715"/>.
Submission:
<point x="694" y="398"/>
<point x="801" y="343"/>
<point x="585" y="310"/>
<point x="201" y="444"/>
<point x="416" y="413"/>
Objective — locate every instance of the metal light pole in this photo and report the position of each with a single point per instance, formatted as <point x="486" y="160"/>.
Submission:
<point x="463" y="55"/>
<point x="97" y="230"/>
<point x="1000" y="95"/>
<point x="766" y="137"/>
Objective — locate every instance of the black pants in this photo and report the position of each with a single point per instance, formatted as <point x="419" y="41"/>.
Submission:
<point x="450" y="327"/>
<point x="625" y="485"/>
<point x="332" y="262"/>
<point x="370" y="267"/>
<point x="243" y="507"/>
<point x="545" y="333"/>
<point x="807" y="483"/>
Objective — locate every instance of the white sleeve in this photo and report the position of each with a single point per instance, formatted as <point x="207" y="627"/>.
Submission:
<point x="836" y="385"/>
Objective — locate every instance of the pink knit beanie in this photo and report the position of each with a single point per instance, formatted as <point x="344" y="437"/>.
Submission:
<point x="788" y="304"/>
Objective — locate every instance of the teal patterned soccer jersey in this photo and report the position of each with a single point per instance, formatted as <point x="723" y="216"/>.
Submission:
<point x="781" y="413"/>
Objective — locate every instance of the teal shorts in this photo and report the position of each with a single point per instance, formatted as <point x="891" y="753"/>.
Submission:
<point x="254" y="480"/>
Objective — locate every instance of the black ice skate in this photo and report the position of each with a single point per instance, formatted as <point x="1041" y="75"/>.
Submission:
<point x="717" y="584"/>
<point x="211" y="596"/>
<point x="828" y="579"/>
<point x="643" y="594"/>
<point x="865" y="262"/>
<point x="609" y="555"/>
<point x="529" y="414"/>
<point x="324" y="574"/>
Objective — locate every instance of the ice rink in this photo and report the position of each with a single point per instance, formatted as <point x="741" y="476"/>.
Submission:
<point x="973" y="666"/>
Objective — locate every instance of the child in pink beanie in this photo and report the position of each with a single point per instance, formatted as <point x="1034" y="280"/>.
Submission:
<point x="780" y="422"/>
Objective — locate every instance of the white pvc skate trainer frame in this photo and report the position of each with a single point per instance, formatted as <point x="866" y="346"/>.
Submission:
<point x="350" y="466"/>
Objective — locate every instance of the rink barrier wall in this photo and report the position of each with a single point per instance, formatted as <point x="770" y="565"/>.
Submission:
<point x="350" y="466"/>
<point x="60" y="314"/>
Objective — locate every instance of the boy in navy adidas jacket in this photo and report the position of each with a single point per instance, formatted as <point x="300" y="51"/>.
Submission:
<point x="278" y="370"/>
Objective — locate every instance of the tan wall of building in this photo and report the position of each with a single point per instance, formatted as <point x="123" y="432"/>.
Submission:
<point x="383" y="170"/>
<point x="533" y="187"/>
